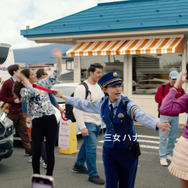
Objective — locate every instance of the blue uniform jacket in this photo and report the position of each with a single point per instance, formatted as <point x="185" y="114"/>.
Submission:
<point x="115" y="131"/>
<point x="118" y="133"/>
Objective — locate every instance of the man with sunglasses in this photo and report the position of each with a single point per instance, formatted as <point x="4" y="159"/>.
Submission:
<point x="166" y="143"/>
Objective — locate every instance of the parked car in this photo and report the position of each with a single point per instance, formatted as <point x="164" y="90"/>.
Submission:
<point x="6" y="136"/>
<point x="151" y="83"/>
<point x="149" y="86"/>
<point x="67" y="89"/>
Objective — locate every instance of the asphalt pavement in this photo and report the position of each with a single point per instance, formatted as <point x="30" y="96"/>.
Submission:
<point x="15" y="172"/>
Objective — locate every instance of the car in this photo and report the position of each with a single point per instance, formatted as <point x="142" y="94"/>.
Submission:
<point x="6" y="136"/>
<point x="149" y="86"/>
<point x="66" y="89"/>
<point x="151" y="83"/>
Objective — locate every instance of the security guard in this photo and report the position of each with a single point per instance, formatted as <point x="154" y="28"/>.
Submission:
<point x="117" y="113"/>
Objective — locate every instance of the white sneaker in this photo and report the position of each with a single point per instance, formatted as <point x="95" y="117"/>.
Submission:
<point x="30" y="159"/>
<point x="44" y="165"/>
<point x="41" y="160"/>
<point x="169" y="157"/>
<point x="163" y="162"/>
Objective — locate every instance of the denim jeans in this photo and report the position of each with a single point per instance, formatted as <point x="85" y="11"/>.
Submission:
<point x="88" y="149"/>
<point x="166" y="143"/>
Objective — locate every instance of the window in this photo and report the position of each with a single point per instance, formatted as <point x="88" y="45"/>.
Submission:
<point x="110" y="63"/>
<point x="69" y="65"/>
<point x="151" y="71"/>
<point x="4" y="51"/>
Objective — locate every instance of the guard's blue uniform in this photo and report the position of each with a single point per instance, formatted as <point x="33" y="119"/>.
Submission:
<point x="119" y="163"/>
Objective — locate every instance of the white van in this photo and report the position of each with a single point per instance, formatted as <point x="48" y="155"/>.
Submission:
<point x="6" y="59"/>
<point x="6" y="125"/>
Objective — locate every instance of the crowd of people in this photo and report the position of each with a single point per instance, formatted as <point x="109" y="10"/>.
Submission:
<point x="117" y="112"/>
<point x="104" y="104"/>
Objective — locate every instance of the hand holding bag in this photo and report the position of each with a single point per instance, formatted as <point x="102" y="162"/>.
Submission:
<point x="4" y="107"/>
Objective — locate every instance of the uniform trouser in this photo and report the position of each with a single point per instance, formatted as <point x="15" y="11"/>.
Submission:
<point x="167" y="142"/>
<point x="20" y="124"/>
<point x="45" y="126"/>
<point x="120" y="168"/>
<point x="87" y="151"/>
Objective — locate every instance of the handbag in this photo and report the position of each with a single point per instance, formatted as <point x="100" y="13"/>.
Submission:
<point x="133" y="146"/>
<point x="4" y="107"/>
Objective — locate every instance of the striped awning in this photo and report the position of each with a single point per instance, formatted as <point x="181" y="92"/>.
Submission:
<point x="127" y="47"/>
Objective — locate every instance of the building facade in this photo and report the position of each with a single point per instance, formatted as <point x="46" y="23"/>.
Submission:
<point x="143" y="39"/>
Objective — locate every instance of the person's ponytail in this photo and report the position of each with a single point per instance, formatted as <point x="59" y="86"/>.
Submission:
<point x="17" y="88"/>
<point x="18" y="85"/>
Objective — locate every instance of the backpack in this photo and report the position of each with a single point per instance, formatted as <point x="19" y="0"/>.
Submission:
<point x="163" y="92"/>
<point x="69" y="108"/>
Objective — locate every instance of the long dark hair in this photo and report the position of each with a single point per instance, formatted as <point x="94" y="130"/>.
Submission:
<point x="19" y="85"/>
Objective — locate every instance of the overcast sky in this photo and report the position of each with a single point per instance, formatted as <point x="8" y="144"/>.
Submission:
<point x="15" y="15"/>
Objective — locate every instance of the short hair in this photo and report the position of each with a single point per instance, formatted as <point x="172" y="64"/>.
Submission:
<point x="93" y="67"/>
<point x="13" y="68"/>
<point x="39" y="73"/>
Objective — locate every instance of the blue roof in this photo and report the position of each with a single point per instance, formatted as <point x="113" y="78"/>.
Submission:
<point x="133" y="15"/>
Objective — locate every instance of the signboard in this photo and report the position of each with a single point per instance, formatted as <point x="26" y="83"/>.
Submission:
<point x="64" y="132"/>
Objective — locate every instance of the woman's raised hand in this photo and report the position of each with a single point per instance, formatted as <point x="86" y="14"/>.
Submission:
<point x="57" y="53"/>
<point x="180" y="80"/>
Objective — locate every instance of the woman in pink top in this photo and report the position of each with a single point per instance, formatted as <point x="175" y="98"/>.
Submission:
<point x="179" y="164"/>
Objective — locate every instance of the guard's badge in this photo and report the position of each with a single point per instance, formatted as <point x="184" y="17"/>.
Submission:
<point x="93" y="101"/>
<point x="114" y="74"/>
<point x="120" y="115"/>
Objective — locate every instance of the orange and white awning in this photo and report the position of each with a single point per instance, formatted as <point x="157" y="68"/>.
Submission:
<point x="127" y="47"/>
